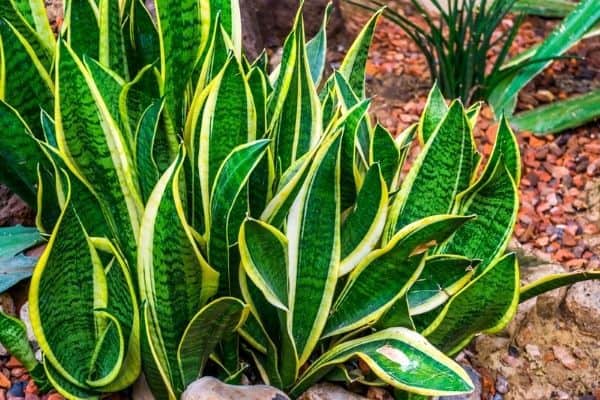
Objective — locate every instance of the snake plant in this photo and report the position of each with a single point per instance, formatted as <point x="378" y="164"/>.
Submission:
<point x="200" y="211"/>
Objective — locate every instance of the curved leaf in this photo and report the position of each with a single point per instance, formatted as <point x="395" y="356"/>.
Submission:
<point x="218" y="318"/>
<point x="389" y="272"/>
<point x="354" y="64"/>
<point x="294" y="107"/>
<point x="442" y="277"/>
<point x="433" y="114"/>
<point x="362" y="228"/>
<point x="555" y="281"/>
<point x="25" y="83"/>
<point x="313" y="231"/>
<point x="228" y="208"/>
<point x="401" y="358"/>
<point x="478" y="307"/>
<point x="174" y="278"/>
<point x="263" y="251"/>
<point x="442" y="170"/>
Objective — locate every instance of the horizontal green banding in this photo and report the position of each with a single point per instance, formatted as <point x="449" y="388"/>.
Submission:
<point x="263" y="251"/>
<point x="174" y="278"/>
<point x="496" y="204"/>
<point x="434" y="112"/>
<point x="294" y="107"/>
<point x="478" y="307"/>
<point x="88" y="136"/>
<point x="442" y="277"/>
<point x="69" y="274"/>
<point x="383" y="150"/>
<point x="226" y="216"/>
<point x="204" y="332"/>
<point x="19" y="154"/>
<point x="26" y="84"/>
<point x="179" y="38"/>
<point x="442" y="170"/>
<point x="389" y="274"/>
<point x="362" y="228"/>
<point x="313" y="231"/>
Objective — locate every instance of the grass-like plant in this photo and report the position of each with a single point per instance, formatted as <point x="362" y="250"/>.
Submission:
<point x="457" y="38"/>
<point x="198" y="210"/>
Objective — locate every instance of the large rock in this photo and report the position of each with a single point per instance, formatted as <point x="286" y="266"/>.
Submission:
<point x="328" y="391"/>
<point x="583" y="303"/>
<point x="209" y="388"/>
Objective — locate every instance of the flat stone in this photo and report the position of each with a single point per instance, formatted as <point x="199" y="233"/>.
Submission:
<point x="583" y="303"/>
<point x="209" y="388"/>
<point x="328" y="391"/>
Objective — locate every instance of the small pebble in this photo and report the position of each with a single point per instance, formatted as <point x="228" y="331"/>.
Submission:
<point x="501" y="384"/>
<point x="17" y="390"/>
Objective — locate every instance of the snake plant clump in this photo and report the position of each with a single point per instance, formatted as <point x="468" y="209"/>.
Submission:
<point x="200" y="211"/>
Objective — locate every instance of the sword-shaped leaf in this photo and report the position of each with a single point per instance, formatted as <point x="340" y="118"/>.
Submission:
<point x="19" y="155"/>
<point x="294" y="107"/>
<point x="555" y="281"/>
<point x="10" y="13"/>
<point x="478" y="307"/>
<point x="442" y="170"/>
<point x="434" y="112"/>
<point x="34" y="11"/>
<point x="13" y="336"/>
<point x="215" y="320"/>
<point x="143" y="38"/>
<point x="263" y="250"/>
<point x="111" y="51"/>
<point x="354" y="64"/>
<point x="145" y="138"/>
<point x="362" y="228"/>
<point x="228" y="11"/>
<point x="229" y="186"/>
<point x="175" y="280"/>
<point x="443" y="276"/>
<point x="387" y="272"/>
<point x="69" y="274"/>
<point x="95" y="148"/>
<point x="560" y="115"/>
<point x="504" y="95"/>
<point x="178" y="24"/>
<point x="313" y="231"/>
<point x="496" y="203"/>
<point x="384" y="151"/>
<point x="81" y="28"/>
<point x="25" y="83"/>
<point x="228" y="121"/>
<point x="401" y="358"/>
<point x="316" y="49"/>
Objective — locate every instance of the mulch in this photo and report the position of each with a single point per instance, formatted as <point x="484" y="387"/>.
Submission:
<point x="557" y="169"/>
